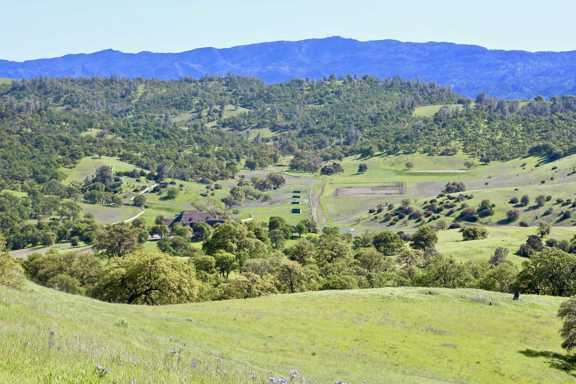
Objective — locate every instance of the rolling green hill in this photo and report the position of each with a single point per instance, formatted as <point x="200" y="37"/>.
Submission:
<point x="393" y="335"/>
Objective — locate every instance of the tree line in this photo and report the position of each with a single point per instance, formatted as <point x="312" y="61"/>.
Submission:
<point x="241" y="260"/>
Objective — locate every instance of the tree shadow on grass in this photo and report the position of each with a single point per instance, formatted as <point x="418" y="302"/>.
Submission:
<point x="566" y="363"/>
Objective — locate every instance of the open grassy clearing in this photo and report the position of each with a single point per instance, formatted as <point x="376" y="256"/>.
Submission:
<point x="93" y="132"/>
<point x="12" y="192"/>
<point x="110" y="215"/>
<point x="431" y="110"/>
<point x="233" y="110"/>
<point x="262" y="132"/>
<point x="60" y="247"/>
<point x="88" y="165"/>
<point x="395" y="335"/>
<point x="295" y="194"/>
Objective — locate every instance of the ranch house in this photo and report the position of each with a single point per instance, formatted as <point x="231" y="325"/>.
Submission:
<point x="191" y="218"/>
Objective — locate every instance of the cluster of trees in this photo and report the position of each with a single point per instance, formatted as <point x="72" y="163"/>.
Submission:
<point x="325" y="119"/>
<point x="137" y="120"/>
<point x="103" y="187"/>
<point x="454" y="186"/>
<point x="453" y="204"/>
<point x="166" y="127"/>
<point x="432" y="210"/>
<point x="331" y="169"/>
<point x="270" y="182"/>
<point x="240" y="260"/>
<point x="34" y="218"/>
<point x="253" y="189"/>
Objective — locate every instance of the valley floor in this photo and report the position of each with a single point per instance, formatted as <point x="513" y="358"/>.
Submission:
<point x="392" y="335"/>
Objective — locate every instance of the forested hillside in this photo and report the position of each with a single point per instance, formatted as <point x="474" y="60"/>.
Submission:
<point x="193" y="129"/>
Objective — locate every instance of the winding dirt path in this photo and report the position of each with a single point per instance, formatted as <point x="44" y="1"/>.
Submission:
<point x="145" y="190"/>
<point x="318" y="214"/>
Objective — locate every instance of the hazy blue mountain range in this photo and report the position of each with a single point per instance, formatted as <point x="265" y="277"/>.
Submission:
<point x="469" y="69"/>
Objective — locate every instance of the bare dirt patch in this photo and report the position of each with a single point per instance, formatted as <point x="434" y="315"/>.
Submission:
<point x="437" y="171"/>
<point x="380" y="190"/>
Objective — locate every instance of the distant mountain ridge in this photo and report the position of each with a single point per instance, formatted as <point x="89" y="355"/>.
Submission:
<point x="469" y="69"/>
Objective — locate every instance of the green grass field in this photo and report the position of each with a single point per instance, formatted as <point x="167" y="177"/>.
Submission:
<point x="88" y="165"/>
<point x="12" y="192"/>
<point x="431" y="110"/>
<point x="395" y="335"/>
<point x="283" y="200"/>
<point x="60" y="247"/>
<point x="110" y="215"/>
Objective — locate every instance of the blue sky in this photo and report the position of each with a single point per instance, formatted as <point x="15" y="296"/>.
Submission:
<point x="47" y="28"/>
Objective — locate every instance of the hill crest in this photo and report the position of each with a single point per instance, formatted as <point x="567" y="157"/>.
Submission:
<point x="501" y="73"/>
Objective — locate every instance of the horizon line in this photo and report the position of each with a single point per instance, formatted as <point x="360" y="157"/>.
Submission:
<point x="288" y="41"/>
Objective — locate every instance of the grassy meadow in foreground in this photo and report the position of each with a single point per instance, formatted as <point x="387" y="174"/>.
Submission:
<point x="394" y="335"/>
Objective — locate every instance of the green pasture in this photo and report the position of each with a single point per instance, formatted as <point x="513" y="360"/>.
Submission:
<point x="394" y="335"/>
<point x="280" y="202"/>
<point x="431" y="110"/>
<point x="87" y="167"/>
<point x="110" y="215"/>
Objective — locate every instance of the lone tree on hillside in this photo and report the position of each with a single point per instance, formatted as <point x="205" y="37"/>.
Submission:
<point x="362" y="168"/>
<point x="567" y="313"/>
<point x="543" y="229"/>
<point x="116" y="240"/>
<point x="500" y="255"/>
<point x="454" y="187"/>
<point x="475" y="232"/>
<point x="512" y="215"/>
<point x="331" y="169"/>
<point x="139" y="201"/>
<point x="469" y="164"/>
<point x="171" y="194"/>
